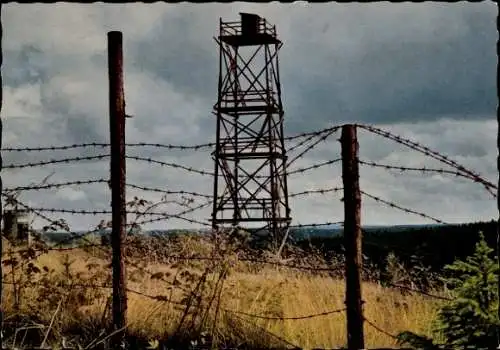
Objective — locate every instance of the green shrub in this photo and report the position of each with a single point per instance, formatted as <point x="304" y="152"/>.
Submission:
<point x="470" y="320"/>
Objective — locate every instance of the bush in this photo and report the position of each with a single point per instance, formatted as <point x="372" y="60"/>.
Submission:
<point x="471" y="318"/>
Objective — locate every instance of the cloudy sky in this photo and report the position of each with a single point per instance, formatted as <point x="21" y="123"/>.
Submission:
<point x="423" y="71"/>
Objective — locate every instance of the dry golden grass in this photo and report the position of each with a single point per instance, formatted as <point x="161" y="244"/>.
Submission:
<point x="271" y="292"/>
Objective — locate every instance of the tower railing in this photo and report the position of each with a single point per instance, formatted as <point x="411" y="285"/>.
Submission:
<point x="235" y="28"/>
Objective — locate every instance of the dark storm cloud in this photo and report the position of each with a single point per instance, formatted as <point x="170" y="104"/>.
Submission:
<point x="400" y="77"/>
<point x="390" y="71"/>
<point x="179" y="59"/>
<point x="31" y="66"/>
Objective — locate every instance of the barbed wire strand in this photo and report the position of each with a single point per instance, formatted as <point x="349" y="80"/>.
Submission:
<point x="179" y="216"/>
<point x="55" y="161"/>
<point x="172" y="165"/>
<point x="181" y="192"/>
<point x="172" y="147"/>
<point x="314" y="166"/>
<point x="95" y="212"/>
<point x="330" y="223"/>
<point x="277" y="318"/>
<point x="104" y="145"/>
<point x="380" y="329"/>
<point x="55" y="185"/>
<point x="311" y="136"/>
<point x="103" y="156"/>
<point x="297" y="170"/>
<point x="95" y="181"/>
<point x="262" y="329"/>
<point x="164" y="217"/>
<point x="157" y="162"/>
<point x="426" y="151"/>
<point x="54" y="148"/>
<point x="300" y="144"/>
<point x="489" y="186"/>
<point x="146" y="144"/>
<point x="310" y="147"/>
<point x="406" y="210"/>
<point x="315" y="133"/>
<point x="318" y="191"/>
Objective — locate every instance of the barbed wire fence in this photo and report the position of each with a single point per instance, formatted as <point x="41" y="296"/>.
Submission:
<point x="22" y="269"/>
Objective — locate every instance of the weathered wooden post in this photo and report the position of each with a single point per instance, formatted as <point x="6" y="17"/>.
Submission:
<point x="498" y="165"/>
<point x="1" y="183"/>
<point x="352" y="237"/>
<point x="118" y="199"/>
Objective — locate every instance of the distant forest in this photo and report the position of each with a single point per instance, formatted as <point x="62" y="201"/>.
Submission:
<point x="433" y="246"/>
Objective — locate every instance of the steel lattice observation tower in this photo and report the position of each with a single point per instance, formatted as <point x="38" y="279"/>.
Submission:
<point x="250" y="184"/>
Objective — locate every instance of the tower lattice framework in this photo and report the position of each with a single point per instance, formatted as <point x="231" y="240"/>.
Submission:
<point x="250" y="186"/>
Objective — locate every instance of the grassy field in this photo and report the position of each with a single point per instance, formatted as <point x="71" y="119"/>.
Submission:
<point x="221" y="292"/>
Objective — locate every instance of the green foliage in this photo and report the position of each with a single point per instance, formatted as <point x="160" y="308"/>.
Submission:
<point x="470" y="319"/>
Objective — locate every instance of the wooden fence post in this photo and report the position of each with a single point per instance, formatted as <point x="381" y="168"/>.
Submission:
<point x="1" y="184"/>
<point x="352" y="237"/>
<point x="118" y="199"/>
<point x="498" y="169"/>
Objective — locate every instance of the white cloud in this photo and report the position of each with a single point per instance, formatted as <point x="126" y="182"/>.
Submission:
<point x="71" y="194"/>
<point x="22" y="102"/>
<point x="75" y="29"/>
